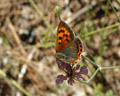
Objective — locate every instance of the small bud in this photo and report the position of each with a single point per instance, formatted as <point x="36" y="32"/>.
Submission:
<point x="57" y="10"/>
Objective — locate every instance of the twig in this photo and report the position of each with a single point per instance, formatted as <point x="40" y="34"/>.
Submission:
<point x="77" y="14"/>
<point x="3" y="74"/>
<point x="24" y="66"/>
<point x="16" y="36"/>
<point x="80" y="12"/>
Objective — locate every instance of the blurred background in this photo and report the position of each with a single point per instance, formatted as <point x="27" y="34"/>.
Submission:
<point x="27" y="33"/>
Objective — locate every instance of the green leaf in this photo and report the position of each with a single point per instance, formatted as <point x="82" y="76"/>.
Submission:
<point x="92" y="59"/>
<point x="109" y="93"/>
<point x="98" y="89"/>
<point x="5" y="40"/>
<point x="118" y="1"/>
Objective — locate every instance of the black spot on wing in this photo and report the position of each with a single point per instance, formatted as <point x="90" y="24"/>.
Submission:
<point x="61" y="31"/>
<point x="59" y="43"/>
<point x="67" y="40"/>
<point x="65" y="35"/>
<point x="80" y="49"/>
<point x="60" y="38"/>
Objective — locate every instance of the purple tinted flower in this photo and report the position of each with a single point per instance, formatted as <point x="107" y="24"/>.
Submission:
<point x="60" y="79"/>
<point x="77" y="67"/>
<point x="84" y="70"/>
<point x="78" y="75"/>
<point x="70" y="81"/>
<point x="60" y="64"/>
<point x="64" y="66"/>
<point x="71" y="71"/>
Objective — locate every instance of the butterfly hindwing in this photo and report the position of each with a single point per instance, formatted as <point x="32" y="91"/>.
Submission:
<point x="73" y="51"/>
<point x="64" y="36"/>
<point x="76" y="48"/>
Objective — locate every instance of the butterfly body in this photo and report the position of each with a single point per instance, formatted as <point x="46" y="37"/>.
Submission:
<point x="68" y="46"/>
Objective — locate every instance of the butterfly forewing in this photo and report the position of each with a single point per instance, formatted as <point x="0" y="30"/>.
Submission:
<point x="64" y="36"/>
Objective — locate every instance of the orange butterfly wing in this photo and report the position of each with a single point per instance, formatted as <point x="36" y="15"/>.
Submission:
<point x="64" y="36"/>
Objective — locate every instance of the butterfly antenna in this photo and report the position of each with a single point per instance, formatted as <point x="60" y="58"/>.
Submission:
<point x="51" y="54"/>
<point x="54" y="56"/>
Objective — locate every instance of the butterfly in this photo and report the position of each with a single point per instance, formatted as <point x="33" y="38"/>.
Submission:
<point x="68" y="46"/>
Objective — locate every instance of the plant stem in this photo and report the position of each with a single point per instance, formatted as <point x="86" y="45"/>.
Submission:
<point x="94" y="63"/>
<point x="114" y="10"/>
<point x="98" y="69"/>
<point x="112" y="67"/>
<point x="93" y="75"/>
<point x="3" y="74"/>
<point x="40" y="13"/>
<point x="102" y="29"/>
